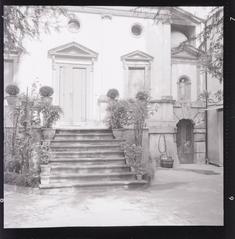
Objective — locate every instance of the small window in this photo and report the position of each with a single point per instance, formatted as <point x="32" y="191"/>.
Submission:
<point x="136" y="29"/>
<point x="74" y="25"/>
<point x="184" y="89"/>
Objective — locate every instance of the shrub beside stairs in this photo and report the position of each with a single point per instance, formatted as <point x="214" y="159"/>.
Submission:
<point x="88" y="158"/>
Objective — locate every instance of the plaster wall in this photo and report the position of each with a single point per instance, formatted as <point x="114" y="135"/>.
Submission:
<point x="110" y="39"/>
<point x="215" y="137"/>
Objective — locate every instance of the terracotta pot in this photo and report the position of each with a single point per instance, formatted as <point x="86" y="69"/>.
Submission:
<point x="47" y="100"/>
<point x="48" y="133"/>
<point x="12" y="100"/>
<point x="118" y="133"/>
<point x="139" y="177"/>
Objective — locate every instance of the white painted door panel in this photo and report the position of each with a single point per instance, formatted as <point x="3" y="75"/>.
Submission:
<point x="136" y="81"/>
<point x="72" y="94"/>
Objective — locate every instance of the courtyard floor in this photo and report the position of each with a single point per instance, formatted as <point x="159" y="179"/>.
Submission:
<point x="186" y="195"/>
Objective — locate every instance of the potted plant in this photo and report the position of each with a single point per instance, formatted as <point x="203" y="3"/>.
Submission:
<point x="44" y="154"/>
<point x="46" y="92"/>
<point x="138" y="163"/>
<point x="51" y="114"/>
<point x="118" y="117"/>
<point x="12" y="91"/>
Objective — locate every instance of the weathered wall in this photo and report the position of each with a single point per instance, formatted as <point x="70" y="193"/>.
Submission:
<point x="215" y="136"/>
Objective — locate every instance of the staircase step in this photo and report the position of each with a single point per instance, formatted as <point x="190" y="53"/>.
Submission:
<point x="89" y="148"/>
<point x="70" y="142"/>
<point x="87" y="158"/>
<point x="84" y="136"/>
<point x="83" y="131"/>
<point x="89" y="169"/>
<point x="62" y="178"/>
<point x="96" y="185"/>
<point x="75" y="161"/>
<point x="90" y="154"/>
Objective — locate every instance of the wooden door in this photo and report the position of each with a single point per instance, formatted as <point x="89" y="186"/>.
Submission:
<point x="136" y="81"/>
<point x="185" y="141"/>
<point x="73" y="94"/>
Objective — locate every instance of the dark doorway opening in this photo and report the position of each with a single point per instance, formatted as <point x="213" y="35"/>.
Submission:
<point x="185" y="141"/>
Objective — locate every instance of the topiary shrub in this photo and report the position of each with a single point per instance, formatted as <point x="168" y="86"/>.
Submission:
<point x="46" y="91"/>
<point x="12" y="90"/>
<point x="113" y="94"/>
<point x="142" y="95"/>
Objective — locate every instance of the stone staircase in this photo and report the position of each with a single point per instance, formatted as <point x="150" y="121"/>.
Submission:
<point x="88" y="158"/>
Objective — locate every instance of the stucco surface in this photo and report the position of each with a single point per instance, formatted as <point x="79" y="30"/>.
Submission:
<point x="186" y="195"/>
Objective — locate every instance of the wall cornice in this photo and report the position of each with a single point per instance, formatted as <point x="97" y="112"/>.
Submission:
<point x="191" y="19"/>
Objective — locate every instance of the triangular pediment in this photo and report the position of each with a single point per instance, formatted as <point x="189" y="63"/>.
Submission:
<point x="186" y="52"/>
<point x="184" y="16"/>
<point x="73" y="49"/>
<point x="137" y="56"/>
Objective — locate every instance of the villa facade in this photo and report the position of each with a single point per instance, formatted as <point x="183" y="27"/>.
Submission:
<point x="107" y="47"/>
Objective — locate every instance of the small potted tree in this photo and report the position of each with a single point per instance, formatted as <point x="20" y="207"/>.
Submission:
<point x="138" y="166"/>
<point x="51" y="114"/>
<point x="44" y="154"/>
<point x="117" y="117"/>
<point x="12" y="91"/>
<point x="46" y="92"/>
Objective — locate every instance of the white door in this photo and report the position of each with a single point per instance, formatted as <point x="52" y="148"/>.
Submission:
<point x="73" y="94"/>
<point x="136" y="81"/>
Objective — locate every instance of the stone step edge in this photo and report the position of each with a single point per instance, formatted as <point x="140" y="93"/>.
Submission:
<point x="86" y="159"/>
<point x="84" y="146"/>
<point x="87" y="175"/>
<point x="90" y="152"/>
<point x="95" y="183"/>
<point x="83" y="129"/>
<point x="84" y="133"/>
<point x="86" y="140"/>
<point x="90" y="167"/>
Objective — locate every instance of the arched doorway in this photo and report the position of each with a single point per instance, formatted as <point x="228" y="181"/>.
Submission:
<point x="184" y="141"/>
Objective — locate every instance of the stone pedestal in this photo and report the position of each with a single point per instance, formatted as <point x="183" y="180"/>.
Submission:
<point x="161" y="122"/>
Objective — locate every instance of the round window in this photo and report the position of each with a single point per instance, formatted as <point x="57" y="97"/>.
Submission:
<point x="136" y="29"/>
<point x="74" y="25"/>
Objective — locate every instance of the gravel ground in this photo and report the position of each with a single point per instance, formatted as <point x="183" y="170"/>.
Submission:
<point x="186" y="195"/>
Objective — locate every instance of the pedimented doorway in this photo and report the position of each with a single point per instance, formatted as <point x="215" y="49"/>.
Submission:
<point x="73" y="83"/>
